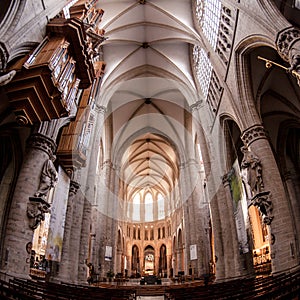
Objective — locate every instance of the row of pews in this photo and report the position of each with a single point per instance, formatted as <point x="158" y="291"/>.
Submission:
<point x="25" y="289"/>
<point x="283" y="286"/>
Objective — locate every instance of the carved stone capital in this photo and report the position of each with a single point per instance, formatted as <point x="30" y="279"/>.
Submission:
<point x="253" y="133"/>
<point x="285" y="40"/>
<point x="41" y="142"/>
<point x="36" y="209"/>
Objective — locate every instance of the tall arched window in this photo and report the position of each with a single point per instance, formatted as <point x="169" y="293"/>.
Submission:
<point x="148" y="208"/>
<point x="136" y="204"/>
<point x="203" y="68"/>
<point x="160" y="207"/>
<point x="208" y="15"/>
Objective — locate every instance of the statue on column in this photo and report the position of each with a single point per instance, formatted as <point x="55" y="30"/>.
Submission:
<point x="38" y="205"/>
<point x="251" y="163"/>
<point x="252" y="169"/>
<point x="48" y="180"/>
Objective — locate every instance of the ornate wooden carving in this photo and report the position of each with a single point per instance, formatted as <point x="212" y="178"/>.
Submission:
<point x="46" y="83"/>
<point x="75" y="137"/>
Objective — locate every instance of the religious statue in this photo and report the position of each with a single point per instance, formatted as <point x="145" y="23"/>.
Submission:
<point x="252" y="169"/>
<point x="251" y="163"/>
<point x="49" y="178"/>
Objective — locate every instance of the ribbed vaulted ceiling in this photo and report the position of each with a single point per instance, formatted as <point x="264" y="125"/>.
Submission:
<point x="147" y="82"/>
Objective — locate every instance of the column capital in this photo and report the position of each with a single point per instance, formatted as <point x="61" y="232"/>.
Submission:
<point x="253" y="133"/>
<point x="288" y="47"/>
<point x="285" y="41"/>
<point x="42" y="142"/>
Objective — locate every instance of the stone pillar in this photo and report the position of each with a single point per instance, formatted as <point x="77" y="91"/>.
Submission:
<point x="281" y="227"/>
<point x="85" y="237"/>
<point x="226" y="235"/>
<point x="156" y="260"/>
<point x="141" y="264"/>
<point x="237" y="260"/>
<point x="129" y="262"/>
<point x="66" y="264"/>
<point x="75" y="236"/>
<point x="295" y="208"/>
<point x="18" y="233"/>
<point x="218" y="240"/>
<point x="169" y="263"/>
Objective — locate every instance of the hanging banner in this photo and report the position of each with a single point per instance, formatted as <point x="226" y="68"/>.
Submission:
<point x="240" y="209"/>
<point x="108" y="253"/>
<point x="193" y="252"/>
<point x="58" y="216"/>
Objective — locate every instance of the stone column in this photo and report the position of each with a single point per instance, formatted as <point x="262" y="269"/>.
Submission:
<point x="275" y="202"/>
<point x="66" y="264"/>
<point x="18" y="233"/>
<point x="295" y="208"/>
<point x="156" y="260"/>
<point x="169" y="265"/>
<point x="226" y="235"/>
<point x="129" y="262"/>
<point x="85" y="237"/>
<point x="236" y="258"/>
<point x="218" y="240"/>
<point x="75" y="236"/>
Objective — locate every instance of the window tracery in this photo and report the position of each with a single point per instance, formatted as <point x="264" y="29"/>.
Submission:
<point x="208" y="16"/>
